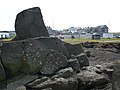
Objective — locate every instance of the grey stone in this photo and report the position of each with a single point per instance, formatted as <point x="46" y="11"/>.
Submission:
<point x="55" y="44"/>
<point x="2" y="72"/>
<point x="17" y="83"/>
<point x="83" y="60"/>
<point x="54" y="61"/>
<point x="64" y="73"/>
<point x="3" y="82"/>
<point x="74" y="64"/>
<point x="36" y="82"/>
<point x="98" y="66"/>
<point x="116" y="77"/>
<point x="97" y="70"/>
<point x="11" y="55"/>
<point x="74" y="49"/>
<point x="41" y="59"/>
<point x="90" y="79"/>
<point x="29" y="24"/>
<point x="58" y="84"/>
<point x="21" y="88"/>
<point x="34" y="56"/>
<point x="47" y="89"/>
<point x="87" y="53"/>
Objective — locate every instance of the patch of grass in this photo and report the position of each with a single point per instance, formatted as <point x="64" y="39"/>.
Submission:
<point x="80" y="40"/>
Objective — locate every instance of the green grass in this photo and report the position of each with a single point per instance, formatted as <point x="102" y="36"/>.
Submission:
<point x="80" y="40"/>
<point x="9" y="39"/>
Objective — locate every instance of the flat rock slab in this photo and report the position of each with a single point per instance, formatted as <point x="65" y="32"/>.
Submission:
<point x="18" y="82"/>
<point x="55" y="44"/>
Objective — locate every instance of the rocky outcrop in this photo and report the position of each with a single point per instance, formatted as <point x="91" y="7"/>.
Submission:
<point x="116" y="77"/>
<point x="29" y="24"/>
<point x="55" y="44"/>
<point x="2" y="72"/>
<point x="74" y="63"/>
<point x="74" y="49"/>
<point x="83" y="60"/>
<point x="57" y="84"/>
<point x="90" y="79"/>
<point x="85" y="80"/>
<point x="31" y="56"/>
<point x="11" y="55"/>
<point x="34" y="62"/>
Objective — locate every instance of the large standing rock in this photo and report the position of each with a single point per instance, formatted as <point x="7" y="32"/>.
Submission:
<point x="116" y="77"/>
<point x="29" y="24"/>
<point x="11" y="55"/>
<point x="55" y="44"/>
<point x="74" y="49"/>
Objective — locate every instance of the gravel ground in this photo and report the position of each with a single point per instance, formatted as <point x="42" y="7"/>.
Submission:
<point x="103" y="56"/>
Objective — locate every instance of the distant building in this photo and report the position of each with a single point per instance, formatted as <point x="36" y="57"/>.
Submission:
<point x="85" y="35"/>
<point x="4" y="35"/>
<point x="107" y="35"/>
<point x="96" y="36"/>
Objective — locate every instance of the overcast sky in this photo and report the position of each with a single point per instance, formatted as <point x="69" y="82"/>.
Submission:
<point x="62" y="14"/>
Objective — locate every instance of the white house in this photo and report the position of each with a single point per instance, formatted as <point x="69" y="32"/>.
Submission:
<point x="4" y="35"/>
<point x="107" y="35"/>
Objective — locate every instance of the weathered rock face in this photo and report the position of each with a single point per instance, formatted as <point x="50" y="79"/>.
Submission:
<point x="29" y="24"/>
<point x="74" y="49"/>
<point x="83" y="60"/>
<point x="2" y="72"/>
<point x="55" y="44"/>
<point x="54" y="61"/>
<point x="64" y="73"/>
<point x="116" y="77"/>
<point x="34" y="55"/>
<point x="90" y="79"/>
<point x="57" y="84"/>
<point x="11" y="55"/>
<point x="74" y="64"/>
<point x="41" y="59"/>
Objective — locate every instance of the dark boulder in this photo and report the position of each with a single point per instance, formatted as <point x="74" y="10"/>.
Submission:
<point x="83" y="60"/>
<point x="29" y="24"/>
<point x="41" y="59"/>
<point x="54" y="61"/>
<point x="11" y="55"/>
<point x="87" y="53"/>
<point x="57" y="84"/>
<point x="34" y="56"/>
<point x="74" y="49"/>
<point x="55" y="44"/>
<point x="18" y="82"/>
<point x="64" y="73"/>
<point x="90" y="79"/>
<point x="116" y="77"/>
<point x="2" y="72"/>
<point x="74" y="64"/>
